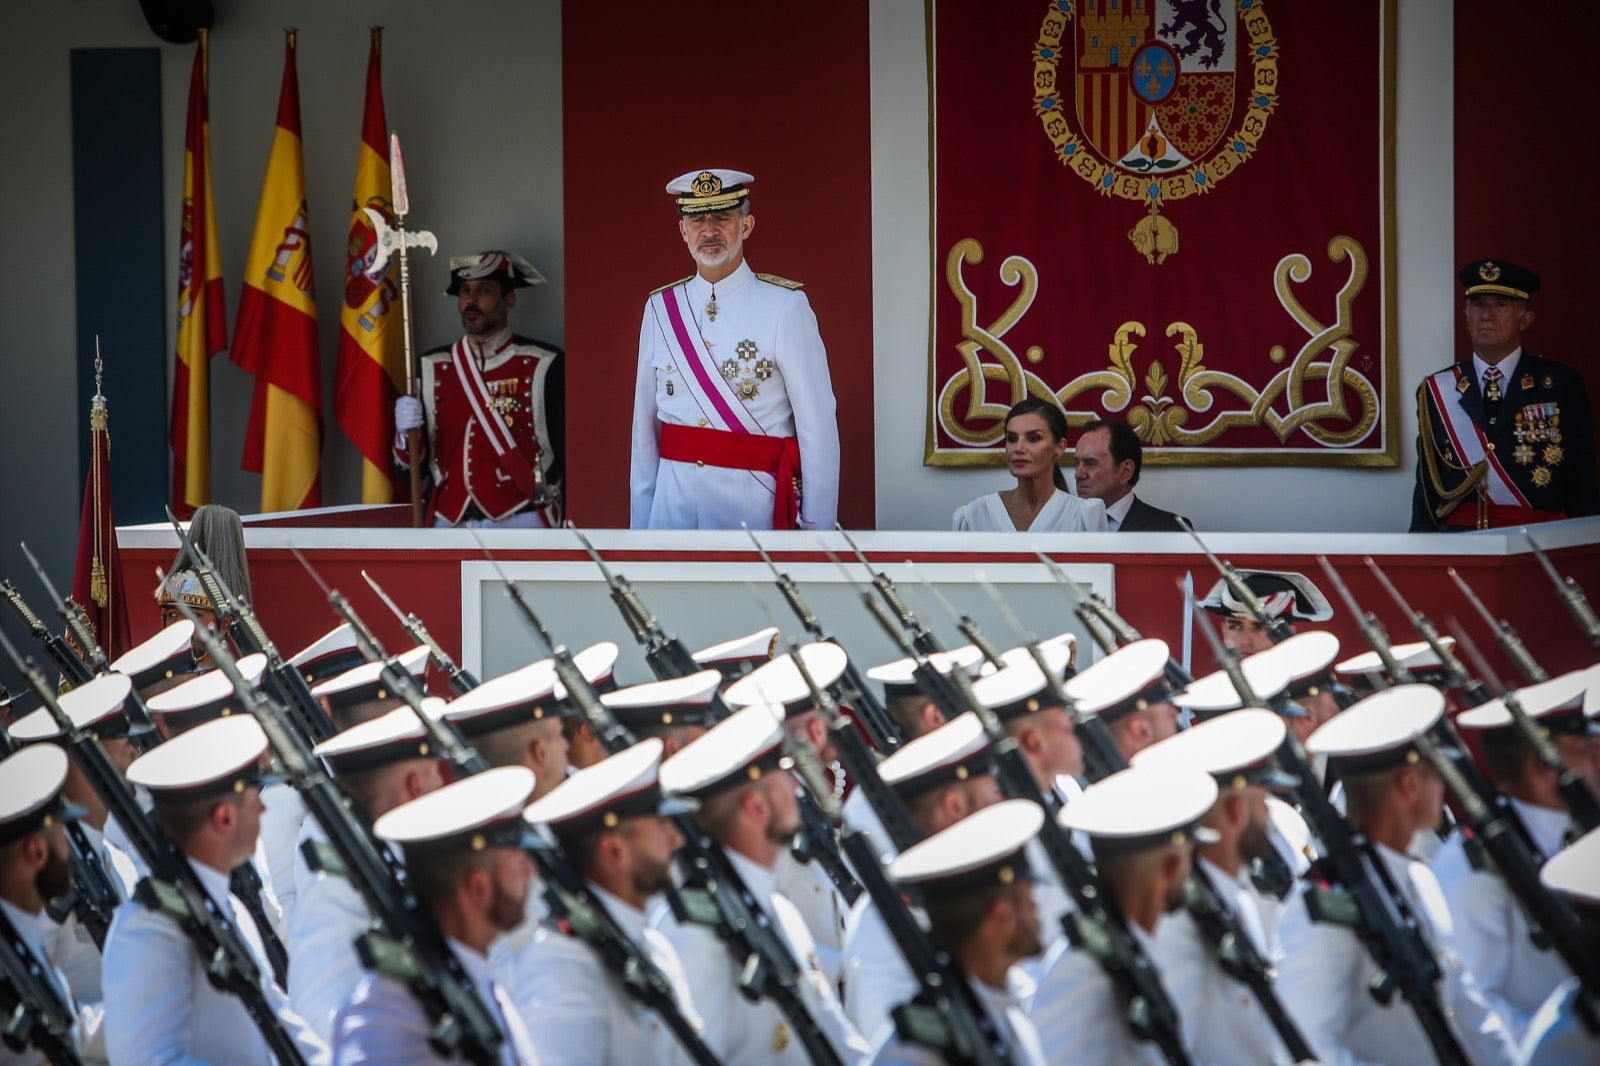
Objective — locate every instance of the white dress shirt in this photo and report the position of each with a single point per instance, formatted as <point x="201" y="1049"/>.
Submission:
<point x="1117" y="512"/>
<point x="279" y="850"/>
<point x="1491" y="930"/>
<point x="328" y="917"/>
<point x="160" y="1006"/>
<point x="1220" y="1019"/>
<point x="1324" y="974"/>
<point x="577" y="1011"/>
<point x="741" y="1031"/>
<point x="808" y="886"/>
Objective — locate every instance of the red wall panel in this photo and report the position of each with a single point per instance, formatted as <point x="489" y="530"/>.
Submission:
<point x="650" y="91"/>
<point x="1525" y="159"/>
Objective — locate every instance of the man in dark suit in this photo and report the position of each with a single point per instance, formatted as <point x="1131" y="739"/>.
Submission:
<point x="1109" y="457"/>
<point x="1506" y="437"/>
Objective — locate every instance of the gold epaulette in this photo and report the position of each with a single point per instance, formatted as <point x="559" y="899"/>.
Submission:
<point x="669" y="285"/>
<point x="773" y="279"/>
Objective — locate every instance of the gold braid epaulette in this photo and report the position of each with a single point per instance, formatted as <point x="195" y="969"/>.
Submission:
<point x="1449" y="499"/>
<point x="669" y="285"/>
<point x="785" y="283"/>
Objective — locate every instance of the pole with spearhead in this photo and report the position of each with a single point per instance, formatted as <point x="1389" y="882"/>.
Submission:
<point x="397" y="240"/>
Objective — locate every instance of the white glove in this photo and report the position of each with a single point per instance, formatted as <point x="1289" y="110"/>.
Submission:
<point x="407" y="414"/>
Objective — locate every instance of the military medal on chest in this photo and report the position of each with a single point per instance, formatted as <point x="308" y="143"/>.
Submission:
<point x="1539" y="424"/>
<point x="747" y="372"/>
<point x="506" y="397"/>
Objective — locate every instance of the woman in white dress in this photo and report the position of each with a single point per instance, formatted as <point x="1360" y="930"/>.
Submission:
<point x="1036" y="439"/>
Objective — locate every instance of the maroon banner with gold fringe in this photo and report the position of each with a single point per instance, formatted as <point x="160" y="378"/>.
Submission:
<point x="1177" y="212"/>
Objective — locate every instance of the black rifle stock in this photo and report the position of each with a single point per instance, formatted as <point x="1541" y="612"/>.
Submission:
<point x="60" y="652"/>
<point x="666" y="654"/>
<point x="171" y="887"/>
<point x="1571" y="593"/>
<point x="874" y="719"/>
<point x="33" y="1011"/>
<point x="922" y="638"/>
<point x="461" y="681"/>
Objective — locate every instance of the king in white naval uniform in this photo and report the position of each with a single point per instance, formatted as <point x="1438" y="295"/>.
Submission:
<point x="733" y="412"/>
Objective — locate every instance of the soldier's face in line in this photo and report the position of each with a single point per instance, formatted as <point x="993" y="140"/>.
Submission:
<point x="782" y="793"/>
<point x="484" y="306"/>
<point x="716" y="238"/>
<point x="511" y="872"/>
<point x="1581" y="755"/>
<point x="1495" y="324"/>
<point x="652" y="841"/>
<point x="1245" y="635"/>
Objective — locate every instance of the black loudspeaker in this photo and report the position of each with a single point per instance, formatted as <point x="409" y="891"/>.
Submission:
<point x="178" y="21"/>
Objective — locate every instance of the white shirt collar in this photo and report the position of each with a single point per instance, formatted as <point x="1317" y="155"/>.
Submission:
<point x="1508" y="367"/>
<point x="214" y="881"/>
<point x="492" y="347"/>
<point x="700" y="289"/>
<point x="30" y="927"/>
<point x="1546" y="826"/>
<point x="630" y="919"/>
<point x="1116" y="512"/>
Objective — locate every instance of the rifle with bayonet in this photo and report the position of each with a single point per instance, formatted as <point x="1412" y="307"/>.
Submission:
<point x="33" y="1011"/>
<point x="1095" y="925"/>
<point x="1277" y="627"/>
<point x="1471" y="688"/>
<point x="461" y="681"/>
<point x="922" y="638"/>
<point x="237" y="619"/>
<point x="1571" y="593"/>
<point x="1504" y="635"/>
<point x="172" y="887"/>
<point x="406" y="944"/>
<point x="945" y="1015"/>
<point x="89" y="652"/>
<point x="60" y="652"/>
<point x="1108" y="628"/>
<point x="1393" y="672"/>
<point x="964" y="622"/>
<point x="879" y="726"/>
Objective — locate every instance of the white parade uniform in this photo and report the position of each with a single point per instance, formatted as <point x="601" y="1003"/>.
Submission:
<point x="384" y="1025"/>
<point x="324" y="968"/>
<point x="1557" y="1035"/>
<point x="281" y="823"/>
<point x="69" y="944"/>
<point x="768" y="372"/>
<point x="581" y="1015"/>
<point x="876" y="976"/>
<point x="808" y="886"/>
<point x="1077" y="1014"/>
<point x="160" y="1007"/>
<point x="1009" y="1019"/>
<point x="1491" y="931"/>
<point x="1324" y="973"/>
<point x="744" y="1032"/>
<point x="88" y="1034"/>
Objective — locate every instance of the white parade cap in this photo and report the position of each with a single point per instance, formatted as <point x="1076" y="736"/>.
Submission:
<point x="1066" y="641"/>
<point x="329" y="655"/>
<point x="1141" y="808"/>
<point x="390" y="738"/>
<point x="700" y="192"/>
<point x="596" y="663"/>
<point x="31" y="798"/>
<point x="92" y="705"/>
<point x="1574" y="871"/>
<point x="899" y="676"/>
<point x="735" y="658"/>
<point x="472" y="814"/>
<point x="1021" y="689"/>
<point x="365" y="682"/>
<point x="1125" y="681"/>
<point x="215" y="757"/>
<point x="1307" y="657"/>
<point x="167" y="654"/>
<point x="984" y="849"/>
<point x="1376" y="733"/>
<point x="1418" y="657"/>
<point x="1557" y="704"/>
<point x="624" y="785"/>
<point x="1237" y="749"/>
<point x="205" y="696"/>
<point x="527" y="694"/>
<point x="955" y="751"/>
<point x="740" y="748"/>
<point x="780" y="681"/>
<point x="1215" y="693"/>
<point x="684" y="700"/>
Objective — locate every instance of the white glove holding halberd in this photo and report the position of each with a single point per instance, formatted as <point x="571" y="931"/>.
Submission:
<point x="407" y="414"/>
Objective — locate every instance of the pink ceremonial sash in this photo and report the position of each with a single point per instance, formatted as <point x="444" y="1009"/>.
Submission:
<point x="710" y="389"/>
<point x="510" y="457"/>
<point x="1469" y="442"/>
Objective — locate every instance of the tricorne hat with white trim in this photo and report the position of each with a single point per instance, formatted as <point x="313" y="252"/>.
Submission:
<point x="1283" y="593"/>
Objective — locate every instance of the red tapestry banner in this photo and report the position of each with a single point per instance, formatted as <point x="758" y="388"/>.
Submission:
<point x="1177" y="212"/>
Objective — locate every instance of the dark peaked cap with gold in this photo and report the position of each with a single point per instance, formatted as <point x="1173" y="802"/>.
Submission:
<point x="1499" y="277"/>
<point x="701" y="192"/>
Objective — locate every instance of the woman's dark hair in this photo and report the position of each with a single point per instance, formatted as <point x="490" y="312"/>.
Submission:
<point x="1054" y="420"/>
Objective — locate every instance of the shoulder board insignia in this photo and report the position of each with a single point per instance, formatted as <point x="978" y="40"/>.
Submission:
<point x="1463" y="385"/>
<point x="669" y="285"/>
<point x="785" y="283"/>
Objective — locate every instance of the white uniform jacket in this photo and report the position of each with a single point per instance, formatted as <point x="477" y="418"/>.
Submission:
<point x="744" y="1032"/>
<point x="764" y="338"/>
<point x="1557" y="1036"/>
<point x="161" y="1009"/>
<point x="577" y="1011"/>
<point x="1078" y="1016"/>
<point x="1325" y="970"/>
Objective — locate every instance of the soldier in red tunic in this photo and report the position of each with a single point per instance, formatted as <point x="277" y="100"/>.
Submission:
<point x="491" y="406"/>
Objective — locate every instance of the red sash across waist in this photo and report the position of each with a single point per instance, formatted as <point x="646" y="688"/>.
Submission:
<point x="778" y="456"/>
<point x="1498" y="516"/>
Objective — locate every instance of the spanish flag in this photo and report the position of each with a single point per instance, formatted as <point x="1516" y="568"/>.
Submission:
<point x="202" y="311"/>
<point x="371" y="370"/>
<point x="276" y="339"/>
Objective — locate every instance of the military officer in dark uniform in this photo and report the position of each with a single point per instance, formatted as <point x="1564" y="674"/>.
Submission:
<point x="1506" y="437"/>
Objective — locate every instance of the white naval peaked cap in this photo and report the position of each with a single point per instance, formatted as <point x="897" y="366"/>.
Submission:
<point x="205" y="696"/>
<point x="472" y="814"/>
<point x="1238" y="749"/>
<point x="1376" y="733"/>
<point x="167" y="654"/>
<point x="1124" y="681"/>
<point x="955" y="751"/>
<point x="984" y="849"/>
<point x="1066" y="641"/>
<point x="1306" y="657"/>
<point x="1574" y="871"/>
<point x="1144" y="807"/>
<point x="735" y="657"/>
<point x="329" y="655"/>
<point x="686" y="700"/>
<point x="215" y="757"/>
<point x="624" y="785"/>
<point x="86" y="707"/>
<point x="365" y="682"/>
<point x="780" y="681"/>
<point x="700" y="192"/>
<point x="526" y="694"/>
<point x="740" y="748"/>
<point x="899" y="676"/>
<point x="1417" y="657"/>
<point x="596" y="663"/>
<point x="1281" y="592"/>
<point x="392" y="737"/>
<point x="1558" y="705"/>
<point x="1021" y="688"/>
<point x="1214" y="693"/>
<point x="31" y="798"/>
<point x="1591" y="696"/>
